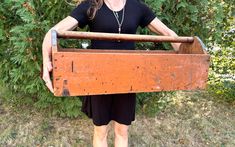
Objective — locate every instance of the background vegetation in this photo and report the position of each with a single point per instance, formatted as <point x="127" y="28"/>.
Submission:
<point x="24" y="23"/>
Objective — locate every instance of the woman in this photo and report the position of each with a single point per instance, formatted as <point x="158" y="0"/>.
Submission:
<point x="111" y="16"/>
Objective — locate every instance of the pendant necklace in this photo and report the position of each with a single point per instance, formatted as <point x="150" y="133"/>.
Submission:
<point x="117" y="17"/>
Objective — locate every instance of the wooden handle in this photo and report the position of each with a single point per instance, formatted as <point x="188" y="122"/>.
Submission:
<point x="123" y="37"/>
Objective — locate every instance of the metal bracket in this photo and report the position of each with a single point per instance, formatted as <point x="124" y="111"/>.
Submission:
<point x="53" y="37"/>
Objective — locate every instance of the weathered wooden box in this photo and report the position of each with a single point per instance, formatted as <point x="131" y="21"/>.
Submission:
<point x="91" y="72"/>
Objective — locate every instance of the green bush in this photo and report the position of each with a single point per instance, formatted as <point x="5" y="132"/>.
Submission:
<point x="24" y="23"/>
<point x="222" y="70"/>
<point x="151" y="103"/>
<point x="23" y="26"/>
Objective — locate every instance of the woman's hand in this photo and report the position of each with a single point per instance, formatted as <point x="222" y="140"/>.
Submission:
<point x="47" y="68"/>
<point x="176" y="46"/>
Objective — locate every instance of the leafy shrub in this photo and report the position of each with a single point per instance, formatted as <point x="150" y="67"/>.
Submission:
<point x="23" y="26"/>
<point x="24" y="23"/>
<point x="222" y="71"/>
<point x="151" y="103"/>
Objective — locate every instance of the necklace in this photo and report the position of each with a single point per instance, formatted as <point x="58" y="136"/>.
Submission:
<point x="117" y="16"/>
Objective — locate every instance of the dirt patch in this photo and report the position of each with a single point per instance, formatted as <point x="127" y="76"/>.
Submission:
<point x="191" y="119"/>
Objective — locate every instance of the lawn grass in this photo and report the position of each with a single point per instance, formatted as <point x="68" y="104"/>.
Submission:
<point x="190" y="119"/>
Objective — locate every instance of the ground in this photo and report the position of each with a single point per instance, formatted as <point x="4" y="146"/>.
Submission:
<point x="191" y="119"/>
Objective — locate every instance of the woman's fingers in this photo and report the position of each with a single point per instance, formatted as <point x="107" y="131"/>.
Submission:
<point x="49" y="85"/>
<point x="49" y="66"/>
<point x="46" y="78"/>
<point x="176" y="46"/>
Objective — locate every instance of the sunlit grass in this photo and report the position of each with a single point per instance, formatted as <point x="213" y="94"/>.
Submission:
<point x="190" y="119"/>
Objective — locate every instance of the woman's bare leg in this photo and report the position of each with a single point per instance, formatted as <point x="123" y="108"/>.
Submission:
<point x="100" y="136"/>
<point x="121" y="134"/>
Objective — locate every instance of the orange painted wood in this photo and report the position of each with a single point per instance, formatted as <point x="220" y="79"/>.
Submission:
<point x="196" y="47"/>
<point x="88" y="73"/>
<point x="79" y="72"/>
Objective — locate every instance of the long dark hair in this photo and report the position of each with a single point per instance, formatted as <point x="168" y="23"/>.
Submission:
<point x="94" y="6"/>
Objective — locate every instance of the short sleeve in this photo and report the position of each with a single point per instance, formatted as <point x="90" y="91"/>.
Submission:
<point x="80" y="14"/>
<point x="147" y="15"/>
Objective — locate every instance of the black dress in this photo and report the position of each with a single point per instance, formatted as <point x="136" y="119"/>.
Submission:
<point x="119" y="107"/>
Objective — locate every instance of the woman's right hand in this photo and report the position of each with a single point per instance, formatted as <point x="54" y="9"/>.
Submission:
<point x="47" y="68"/>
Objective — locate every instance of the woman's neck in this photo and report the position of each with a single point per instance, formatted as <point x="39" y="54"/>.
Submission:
<point x="115" y="5"/>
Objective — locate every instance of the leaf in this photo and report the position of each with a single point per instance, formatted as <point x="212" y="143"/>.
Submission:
<point x="181" y="5"/>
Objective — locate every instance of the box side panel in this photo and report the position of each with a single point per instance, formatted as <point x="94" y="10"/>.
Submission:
<point x="91" y="74"/>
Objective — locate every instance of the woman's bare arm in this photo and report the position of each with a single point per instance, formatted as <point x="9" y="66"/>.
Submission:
<point x="68" y="23"/>
<point x="158" y="27"/>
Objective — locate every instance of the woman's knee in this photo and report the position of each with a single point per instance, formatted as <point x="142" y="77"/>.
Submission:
<point x="121" y="130"/>
<point x="101" y="131"/>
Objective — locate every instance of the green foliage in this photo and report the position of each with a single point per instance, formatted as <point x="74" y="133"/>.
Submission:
<point x="222" y="74"/>
<point x="25" y="22"/>
<point x="151" y="103"/>
<point x="23" y="26"/>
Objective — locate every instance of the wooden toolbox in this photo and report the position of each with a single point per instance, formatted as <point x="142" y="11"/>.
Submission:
<point x="79" y="72"/>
